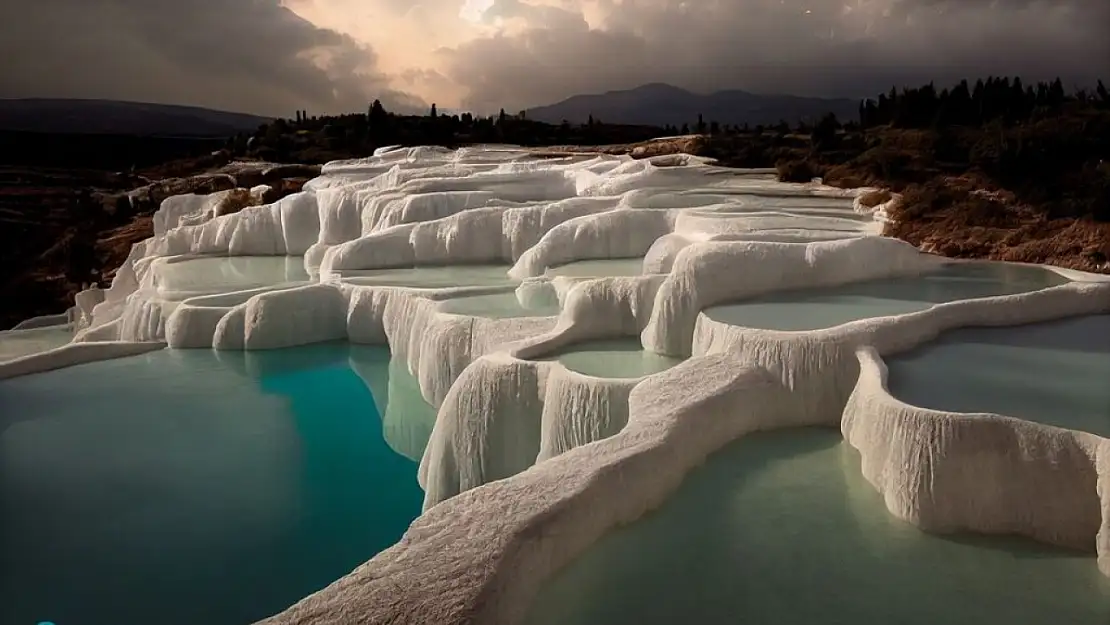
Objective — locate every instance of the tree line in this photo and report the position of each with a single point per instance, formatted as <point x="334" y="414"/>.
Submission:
<point x="1003" y="99"/>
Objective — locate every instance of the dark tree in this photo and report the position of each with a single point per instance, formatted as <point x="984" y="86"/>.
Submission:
<point x="378" y="116"/>
<point x="824" y="134"/>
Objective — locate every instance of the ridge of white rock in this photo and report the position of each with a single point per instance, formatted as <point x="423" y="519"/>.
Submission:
<point x="529" y="462"/>
<point x="1030" y="479"/>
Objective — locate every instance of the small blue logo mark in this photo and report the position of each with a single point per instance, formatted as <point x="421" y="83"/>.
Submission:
<point x="45" y="623"/>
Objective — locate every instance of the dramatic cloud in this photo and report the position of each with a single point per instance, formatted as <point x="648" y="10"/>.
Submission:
<point x="273" y="56"/>
<point x="246" y="55"/>
<point x="815" y="47"/>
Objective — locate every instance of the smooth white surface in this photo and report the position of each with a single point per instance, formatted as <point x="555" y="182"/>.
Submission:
<point x="529" y="462"/>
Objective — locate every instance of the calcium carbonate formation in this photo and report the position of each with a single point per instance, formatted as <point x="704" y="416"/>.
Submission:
<point x="530" y="462"/>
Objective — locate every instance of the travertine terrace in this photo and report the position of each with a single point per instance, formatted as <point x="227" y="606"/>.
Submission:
<point x="530" y="462"/>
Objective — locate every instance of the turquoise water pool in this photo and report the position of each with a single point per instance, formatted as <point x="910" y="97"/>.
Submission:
<point x="599" y="268"/>
<point x="188" y="487"/>
<point x="19" y="343"/>
<point x="780" y="528"/>
<point x="612" y="358"/>
<point x="826" y="307"/>
<point x="1055" y="373"/>
<point x="213" y="274"/>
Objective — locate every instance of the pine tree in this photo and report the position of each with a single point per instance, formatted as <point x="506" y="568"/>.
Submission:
<point x="824" y="132"/>
<point x="377" y="117"/>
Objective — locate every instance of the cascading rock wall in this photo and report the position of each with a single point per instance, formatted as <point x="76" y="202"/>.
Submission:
<point x="529" y="463"/>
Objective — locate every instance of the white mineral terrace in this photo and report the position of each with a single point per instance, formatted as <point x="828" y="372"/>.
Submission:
<point x="591" y="328"/>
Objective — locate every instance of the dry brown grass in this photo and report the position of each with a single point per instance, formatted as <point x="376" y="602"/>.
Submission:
<point x="798" y="170"/>
<point x="235" y="201"/>
<point x="114" y="245"/>
<point x="871" y="199"/>
<point x="956" y="219"/>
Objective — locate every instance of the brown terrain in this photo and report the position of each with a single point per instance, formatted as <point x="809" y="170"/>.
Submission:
<point x="960" y="213"/>
<point x="63" y="229"/>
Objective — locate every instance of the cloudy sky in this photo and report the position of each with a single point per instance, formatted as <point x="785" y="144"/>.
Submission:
<point x="275" y="56"/>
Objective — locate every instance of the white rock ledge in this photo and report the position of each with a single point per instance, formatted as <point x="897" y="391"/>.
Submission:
<point x="484" y="554"/>
<point x="1044" y="482"/>
<point x="74" y="354"/>
<point x="947" y="472"/>
<point x="507" y="537"/>
<point x="530" y="463"/>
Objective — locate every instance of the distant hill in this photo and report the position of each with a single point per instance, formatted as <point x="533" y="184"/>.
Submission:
<point x="659" y="104"/>
<point x="122" y="118"/>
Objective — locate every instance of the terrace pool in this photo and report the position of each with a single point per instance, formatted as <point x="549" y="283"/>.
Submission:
<point x="781" y="527"/>
<point x="612" y="358"/>
<point x="1056" y="373"/>
<point x="186" y="487"/>
<point x="826" y="307"/>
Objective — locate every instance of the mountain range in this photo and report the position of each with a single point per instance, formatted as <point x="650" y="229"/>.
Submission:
<point x="126" y="118"/>
<point x="660" y="104"/>
<point x="649" y="105"/>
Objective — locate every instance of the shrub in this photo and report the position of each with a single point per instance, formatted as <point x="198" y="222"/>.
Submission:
<point x="798" y="170"/>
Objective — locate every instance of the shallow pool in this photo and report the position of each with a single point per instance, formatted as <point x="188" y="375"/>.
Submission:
<point x="501" y="306"/>
<point x="840" y="214"/>
<point x="210" y="274"/>
<point x="599" y="268"/>
<point x="781" y="528"/>
<point x="1056" y="373"/>
<point x="185" y="487"/>
<point x="431" y="277"/>
<point x="826" y="307"/>
<point x="19" y="343"/>
<point x="613" y="358"/>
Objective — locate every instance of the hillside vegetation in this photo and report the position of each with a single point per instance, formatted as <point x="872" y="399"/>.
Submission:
<point x="1000" y="170"/>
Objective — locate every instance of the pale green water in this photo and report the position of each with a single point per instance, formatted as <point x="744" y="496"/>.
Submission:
<point x="199" y="487"/>
<point x="821" y="210"/>
<point x="501" y="306"/>
<point x="228" y="273"/>
<point x="1056" y="373"/>
<point x="432" y="277"/>
<point x="19" y="343"/>
<point x="784" y="219"/>
<point x="827" y="307"/>
<point x="599" y="268"/>
<point x="615" y="358"/>
<point x="781" y="529"/>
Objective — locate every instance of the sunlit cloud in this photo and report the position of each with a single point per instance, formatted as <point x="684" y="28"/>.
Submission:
<point x="332" y="55"/>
